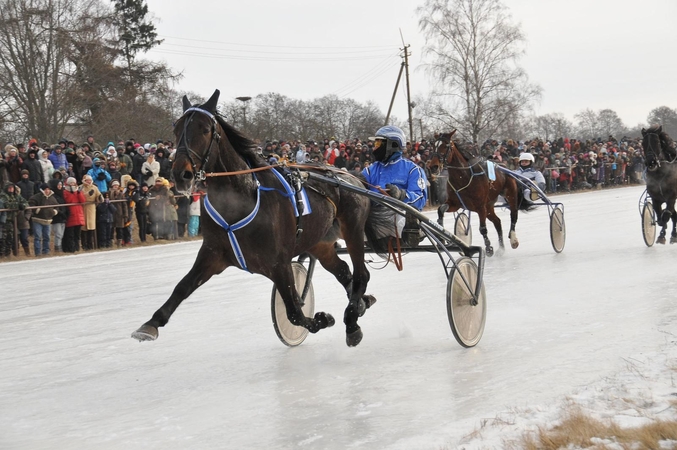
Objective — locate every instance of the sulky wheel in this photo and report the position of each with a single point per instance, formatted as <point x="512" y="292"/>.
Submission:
<point x="558" y="230"/>
<point x="648" y="224"/>
<point x="289" y="334"/>
<point x="462" y="228"/>
<point x="466" y="317"/>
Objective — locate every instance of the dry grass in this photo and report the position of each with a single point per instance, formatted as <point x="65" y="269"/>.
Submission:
<point x="578" y="430"/>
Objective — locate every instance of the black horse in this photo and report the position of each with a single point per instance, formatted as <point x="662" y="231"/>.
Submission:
<point x="248" y="221"/>
<point x="661" y="177"/>
<point x="469" y="187"/>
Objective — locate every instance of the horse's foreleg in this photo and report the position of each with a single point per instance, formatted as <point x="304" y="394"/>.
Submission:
<point x="355" y="284"/>
<point x="497" y="224"/>
<point x="673" y="236"/>
<point x="483" y="230"/>
<point x="512" y="196"/>
<point x="284" y="283"/>
<point x="206" y="265"/>
<point x="440" y="213"/>
<point x="663" y="218"/>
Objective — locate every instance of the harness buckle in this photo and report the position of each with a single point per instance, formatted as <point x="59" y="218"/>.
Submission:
<point x="200" y="175"/>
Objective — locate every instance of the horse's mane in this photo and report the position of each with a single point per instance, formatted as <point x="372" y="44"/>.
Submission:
<point x="242" y="145"/>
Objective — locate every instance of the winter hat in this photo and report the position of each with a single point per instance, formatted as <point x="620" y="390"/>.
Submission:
<point x="137" y="145"/>
<point x="147" y="146"/>
<point x="71" y="181"/>
<point x="44" y="186"/>
<point x="115" y="183"/>
<point x="25" y="172"/>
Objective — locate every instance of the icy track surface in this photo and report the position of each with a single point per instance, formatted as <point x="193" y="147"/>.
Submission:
<point x="596" y="324"/>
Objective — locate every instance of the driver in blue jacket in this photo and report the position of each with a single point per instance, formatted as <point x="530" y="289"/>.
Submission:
<point x="400" y="177"/>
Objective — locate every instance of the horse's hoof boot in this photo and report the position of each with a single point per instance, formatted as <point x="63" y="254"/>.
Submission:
<point x="325" y="320"/>
<point x="354" y="338"/>
<point x="145" y="333"/>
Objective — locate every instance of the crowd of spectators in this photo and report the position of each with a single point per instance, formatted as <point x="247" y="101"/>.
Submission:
<point x="71" y="197"/>
<point x="105" y="188"/>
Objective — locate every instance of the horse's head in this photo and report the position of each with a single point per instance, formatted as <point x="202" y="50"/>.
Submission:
<point x="435" y="163"/>
<point x="443" y="146"/>
<point x="657" y="147"/>
<point x="197" y="135"/>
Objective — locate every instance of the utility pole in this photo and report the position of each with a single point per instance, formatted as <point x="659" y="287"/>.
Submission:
<point x="404" y="67"/>
<point x="244" y="101"/>
<point x="392" y="100"/>
<point x="409" y="104"/>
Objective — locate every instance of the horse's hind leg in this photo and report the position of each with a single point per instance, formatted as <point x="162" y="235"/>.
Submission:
<point x="206" y="265"/>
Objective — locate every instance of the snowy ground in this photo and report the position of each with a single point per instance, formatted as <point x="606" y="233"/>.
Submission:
<point x="595" y="325"/>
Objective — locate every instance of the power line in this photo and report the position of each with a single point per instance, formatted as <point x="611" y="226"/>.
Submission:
<point x="370" y="79"/>
<point x="276" y="46"/>
<point x="300" y="58"/>
<point x="275" y="52"/>
<point x="379" y="66"/>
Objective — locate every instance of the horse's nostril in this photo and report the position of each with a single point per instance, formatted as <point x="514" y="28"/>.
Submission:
<point x="187" y="175"/>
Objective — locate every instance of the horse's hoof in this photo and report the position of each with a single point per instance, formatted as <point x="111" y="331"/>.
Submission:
<point x="515" y="244"/>
<point x="490" y="251"/>
<point x="660" y="240"/>
<point x="673" y="239"/>
<point x="440" y="222"/>
<point x="145" y="333"/>
<point x="354" y="338"/>
<point x="324" y="320"/>
<point x="365" y="303"/>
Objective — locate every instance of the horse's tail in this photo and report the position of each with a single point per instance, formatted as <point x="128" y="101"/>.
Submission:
<point x="522" y="203"/>
<point x="378" y="229"/>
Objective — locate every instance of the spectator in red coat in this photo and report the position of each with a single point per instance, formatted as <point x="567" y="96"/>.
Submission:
<point x="76" y="216"/>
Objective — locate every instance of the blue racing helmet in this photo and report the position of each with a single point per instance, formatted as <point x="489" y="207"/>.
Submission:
<point x="392" y="133"/>
<point x="388" y="141"/>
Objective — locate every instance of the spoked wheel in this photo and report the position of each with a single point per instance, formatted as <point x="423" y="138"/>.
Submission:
<point x="558" y="230"/>
<point x="648" y="224"/>
<point x="288" y="333"/>
<point x="462" y="228"/>
<point x="466" y="317"/>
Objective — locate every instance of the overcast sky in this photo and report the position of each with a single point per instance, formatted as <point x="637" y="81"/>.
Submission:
<point x="616" y="54"/>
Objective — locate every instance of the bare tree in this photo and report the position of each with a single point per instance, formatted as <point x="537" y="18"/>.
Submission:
<point x="587" y="123"/>
<point x="610" y="124"/>
<point x="473" y="50"/>
<point x="38" y="83"/>
<point x="551" y="126"/>
<point x="665" y="116"/>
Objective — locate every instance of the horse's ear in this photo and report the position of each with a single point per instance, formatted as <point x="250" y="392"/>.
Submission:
<point x="186" y="103"/>
<point x="643" y="131"/>
<point x="452" y="133"/>
<point x="660" y="128"/>
<point x="212" y="102"/>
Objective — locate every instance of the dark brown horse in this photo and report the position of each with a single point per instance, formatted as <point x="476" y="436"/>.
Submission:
<point x="661" y="178"/>
<point x="470" y="188"/>
<point x="248" y="221"/>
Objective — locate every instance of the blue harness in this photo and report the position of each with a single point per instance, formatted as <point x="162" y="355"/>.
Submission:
<point x="230" y="229"/>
